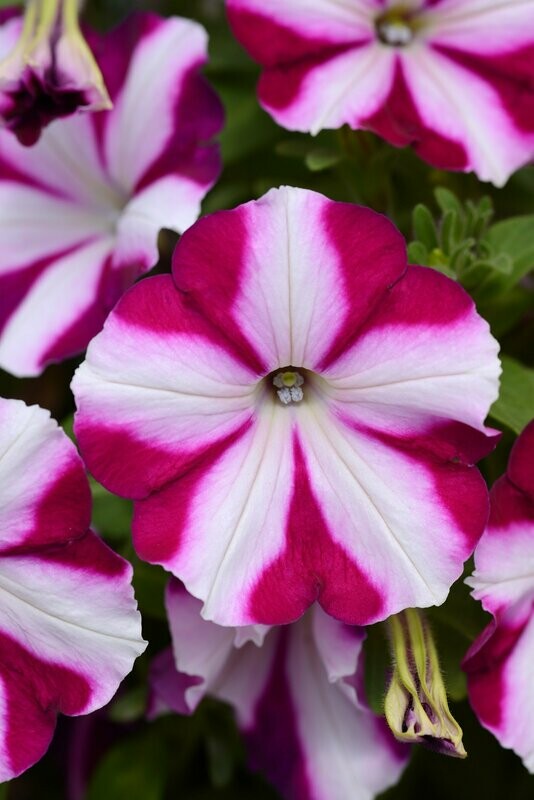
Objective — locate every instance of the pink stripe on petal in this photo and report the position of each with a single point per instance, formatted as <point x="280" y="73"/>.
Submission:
<point x="312" y="567"/>
<point x="520" y="467"/>
<point x="273" y="43"/>
<point x="400" y="123"/>
<point x="199" y="117"/>
<point x="511" y="75"/>
<point x="273" y="741"/>
<point x="486" y="671"/>
<point x="89" y="554"/>
<point x="34" y="691"/>
<point x="160" y="519"/>
<point x="208" y="264"/>
<point x="460" y="488"/>
<point x="112" y="284"/>
<point x="372" y="258"/>
<point x="15" y="284"/>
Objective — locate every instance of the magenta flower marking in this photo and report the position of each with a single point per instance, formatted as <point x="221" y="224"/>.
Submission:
<point x="359" y="491"/>
<point x="69" y="626"/>
<point x="47" y="70"/>
<point x="96" y="190"/>
<point x="297" y="696"/>
<point x="454" y="78"/>
<point x="499" y="664"/>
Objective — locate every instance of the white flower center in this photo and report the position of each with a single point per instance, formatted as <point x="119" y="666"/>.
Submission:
<point x="289" y="387"/>
<point x="395" y="32"/>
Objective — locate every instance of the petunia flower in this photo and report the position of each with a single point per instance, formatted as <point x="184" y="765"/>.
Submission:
<point x="47" y="70"/>
<point x="499" y="663"/>
<point x="81" y="211"/>
<point x="69" y="626"/>
<point x="297" y="697"/>
<point x="357" y="491"/>
<point x="453" y="78"/>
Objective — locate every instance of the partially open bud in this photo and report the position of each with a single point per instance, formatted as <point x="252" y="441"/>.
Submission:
<point x="50" y="71"/>
<point x="416" y="705"/>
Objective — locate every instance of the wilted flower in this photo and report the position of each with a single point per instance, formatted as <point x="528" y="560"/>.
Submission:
<point x="416" y="706"/>
<point x="297" y="697"/>
<point x="47" y="69"/>
<point x="499" y="664"/>
<point x="359" y="490"/>
<point x="69" y="626"/>
<point x="81" y="211"/>
<point x="454" y="78"/>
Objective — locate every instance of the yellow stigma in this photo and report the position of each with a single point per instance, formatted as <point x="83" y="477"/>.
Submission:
<point x="289" y="379"/>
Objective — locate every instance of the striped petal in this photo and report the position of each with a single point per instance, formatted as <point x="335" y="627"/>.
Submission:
<point x="499" y="664"/>
<point x="294" y="701"/>
<point x="69" y="626"/>
<point x="94" y="198"/>
<point x="262" y="505"/>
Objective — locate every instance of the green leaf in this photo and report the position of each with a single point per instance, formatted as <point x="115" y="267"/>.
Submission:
<point x="135" y="768"/>
<point x="514" y="238"/>
<point x="129" y="706"/>
<point x="417" y="253"/>
<point x="149" y="582"/>
<point x="515" y="406"/>
<point x="112" y="515"/>
<point x="377" y="666"/>
<point x="321" y="158"/>
<point x="424" y="227"/>
<point x="447" y="200"/>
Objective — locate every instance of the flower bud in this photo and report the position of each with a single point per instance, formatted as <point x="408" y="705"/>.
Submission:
<point x="50" y="72"/>
<point x="416" y="705"/>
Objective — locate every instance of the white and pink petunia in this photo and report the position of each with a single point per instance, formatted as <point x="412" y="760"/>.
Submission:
<point x="296" y="414"/>
<point x="81" y="211"/>
<point x="69" y="626"/>
<point x="499" y="664"/>
<point x="453" y="78"/>
<point x="297" y="694"/>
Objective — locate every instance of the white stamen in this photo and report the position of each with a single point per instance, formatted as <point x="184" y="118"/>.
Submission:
<point x="288" y="386"/>
<point x="395" y="33"/>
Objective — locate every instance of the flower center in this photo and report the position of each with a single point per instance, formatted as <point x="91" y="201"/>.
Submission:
<point x="288" y="385"/>
<point x="396" y="27"/>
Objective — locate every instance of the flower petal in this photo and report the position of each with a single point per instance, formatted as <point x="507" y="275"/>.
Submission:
<point x="309" y="738"/>
<point x="219" y="526"/>
<point x="167" y="55"/>
<point x="423" y="361"/>
<point x="44" y="495"/>
<point x="45" y="328"/>
<point x="236" y="674"/>
<point x="367" y="503"/>
<point x="69" y="626"/>
<point x="70" y="632"/>
<point x="344" y="751"/>
<point x="499" y="663"/>
<point x="289" y="277"/>
<point x="186" y="394"/>
<point x="445" y="94"/>
<point x="482" y="26"/>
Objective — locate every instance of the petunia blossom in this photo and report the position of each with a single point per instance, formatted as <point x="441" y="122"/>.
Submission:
<point x="47" y="70"/>
<point x="297" y="696"/>
<point x="499" y="664"/>
<point x="81" y="211"/>
<point x="453" y="78"/>
<point x="69" y="626"/>
<point x="296" y="414"/>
